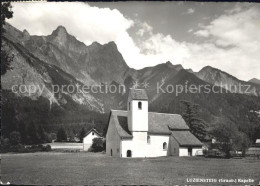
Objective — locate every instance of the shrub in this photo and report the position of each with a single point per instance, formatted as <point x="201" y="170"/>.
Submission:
<point x="15" y="138"/>
<point x="98" y="145"/>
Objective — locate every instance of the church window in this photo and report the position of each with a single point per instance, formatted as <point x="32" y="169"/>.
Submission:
<point x="129" y="105"/>
<point x="148" y="140"/>
<point x="140" y="105"/>
<point x="164" y="146"/>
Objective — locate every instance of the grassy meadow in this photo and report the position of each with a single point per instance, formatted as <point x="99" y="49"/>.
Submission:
<point x="99" y="169"/>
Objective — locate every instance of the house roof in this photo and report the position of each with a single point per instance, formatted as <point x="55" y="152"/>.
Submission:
<point x="93" y="130"/>
<point x="186" y="138"/>
<point x="158" y="123"/>
<point x="138" y="94"/>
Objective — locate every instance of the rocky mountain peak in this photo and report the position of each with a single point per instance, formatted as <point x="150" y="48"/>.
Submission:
<point x="254" y="80"/>
<point x="95" y="44"/>
<point x="26" y="34"/>
<point x="169" y="64"/>
<point x="60" y="36"/>
<point x="112" y="44"/>
<point x="60" y="32"/>
<point x="178" y="67"/>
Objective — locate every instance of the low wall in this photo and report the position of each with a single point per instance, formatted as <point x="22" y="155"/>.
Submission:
<point x="61" y="145"/>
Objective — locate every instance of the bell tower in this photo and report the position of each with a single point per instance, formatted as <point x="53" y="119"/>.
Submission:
<point x="137" y="106"/>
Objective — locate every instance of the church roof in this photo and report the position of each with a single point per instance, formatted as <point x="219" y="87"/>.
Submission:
<point x="138" y="94"/>
<point x="186" y="138"/>
<point x="120" y="121"/>
<point x="158" y="123"/>
<point x="162" y="123"/>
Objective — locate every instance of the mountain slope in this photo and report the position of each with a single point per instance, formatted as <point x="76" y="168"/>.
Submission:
<point x="225" y="80"/>
<point x="254" y="80"/>
<point x="234" y="107"/>
<point x="29" y="71"/>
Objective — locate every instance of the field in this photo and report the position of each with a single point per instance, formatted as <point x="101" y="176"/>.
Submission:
<point x="99" y="169"/>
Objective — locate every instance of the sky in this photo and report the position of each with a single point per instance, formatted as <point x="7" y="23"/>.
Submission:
<point x="194" y="34"/>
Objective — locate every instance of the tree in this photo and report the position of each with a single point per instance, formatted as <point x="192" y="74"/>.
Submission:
<point x="71" y="135"/>
<point x="196" y="124"/>
<point x="6" y="59"/>
<point x="240" y="142"/>
<point x="82" y="133"/>
<point x="222" y="133"/>
<point x="33" y="136"/>
<point x="228" y="137"/>
<point x="15" y="138"/>
<point x="61" y="135"/>
<point x="23" y="132"/>
<point x="98" y="145"/>
<point x="42" y="134"/>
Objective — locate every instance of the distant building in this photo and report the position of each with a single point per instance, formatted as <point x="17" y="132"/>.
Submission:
<point x="139" y="133"/>
<point x="254" y="150"/>
<point x="88" y="139"/>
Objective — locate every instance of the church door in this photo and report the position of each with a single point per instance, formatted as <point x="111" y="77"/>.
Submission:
<point x="190" y="151"/>
<point x="129" y="153"/>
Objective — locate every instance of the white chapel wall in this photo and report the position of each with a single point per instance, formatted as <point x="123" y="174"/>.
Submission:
<point x="155" y="148"/>
<point x="112" y="140"/>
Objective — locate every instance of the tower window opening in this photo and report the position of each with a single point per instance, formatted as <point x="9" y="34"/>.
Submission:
<point x="148" y="139"/>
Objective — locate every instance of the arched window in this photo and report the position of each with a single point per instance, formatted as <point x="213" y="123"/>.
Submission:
<point x="148" y="140"/>
<point x="129" y="153"/>
<point x="140" y="105"/>
<point x="92" y="133"/>
<point x="164" y="146"/>
<point x="129" y="105"/>
<point x="111" y="152"/>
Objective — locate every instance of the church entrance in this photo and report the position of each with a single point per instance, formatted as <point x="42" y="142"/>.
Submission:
<point x="129" y="153"/>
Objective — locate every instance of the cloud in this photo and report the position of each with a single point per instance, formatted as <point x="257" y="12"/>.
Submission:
<point x="237" y="42"/>
<point x="202" y="33"/>
<point x="239" y="29"/>
<point x="190" y="30"/>
<point x="145" y="28"/>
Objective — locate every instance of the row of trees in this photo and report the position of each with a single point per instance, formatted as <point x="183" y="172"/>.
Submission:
<point x="70" y="135"/>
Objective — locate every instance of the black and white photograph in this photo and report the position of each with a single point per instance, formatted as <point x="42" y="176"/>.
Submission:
<point x="130" y="93"/>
